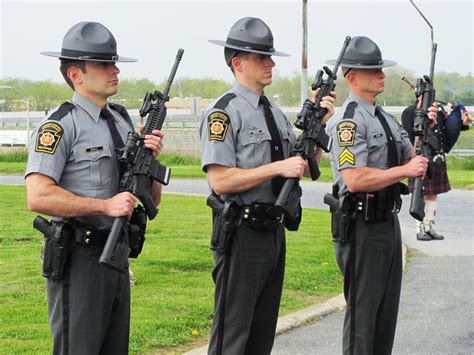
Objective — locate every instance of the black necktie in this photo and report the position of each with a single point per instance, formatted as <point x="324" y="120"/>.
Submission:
<point x="276" y="144"/>
<point x="109" y="118"/>
<point x="392" y="155"/>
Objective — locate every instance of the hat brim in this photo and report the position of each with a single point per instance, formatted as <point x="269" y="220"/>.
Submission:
<point x="246" y="49"/>
<point x="119" y="58"/>
<point x="386" y="63"/>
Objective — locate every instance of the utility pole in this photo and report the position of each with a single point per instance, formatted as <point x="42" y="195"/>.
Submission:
<point x="304" y="56"/>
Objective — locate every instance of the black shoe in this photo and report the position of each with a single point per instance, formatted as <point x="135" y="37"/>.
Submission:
<point x="432" y="233"/>
<point x="423" y="236"/>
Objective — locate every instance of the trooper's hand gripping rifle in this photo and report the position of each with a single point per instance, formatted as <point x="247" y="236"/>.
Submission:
<point x="141" y="168"/>
<point x="312" y="136"/>
<point x="427" y="143"/>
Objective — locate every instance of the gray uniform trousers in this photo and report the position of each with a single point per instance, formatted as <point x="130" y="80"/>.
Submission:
<point x="89" y="310"/>
<point x="247" y="313"/>
<point x="372" y="266"/>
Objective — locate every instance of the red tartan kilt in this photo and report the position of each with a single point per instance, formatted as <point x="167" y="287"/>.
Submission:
<point x="438" y="183"/>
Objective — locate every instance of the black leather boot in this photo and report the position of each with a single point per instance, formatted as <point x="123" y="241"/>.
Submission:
<point x="432" y="233"/>
<point x="423" y="236"/>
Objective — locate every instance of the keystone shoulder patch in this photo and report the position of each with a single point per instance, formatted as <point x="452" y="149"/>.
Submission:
<point x="218" y="124"/>
<point x="48" y="137"/>
<point x="346" y="133"/>
<point x="346" y="156"/>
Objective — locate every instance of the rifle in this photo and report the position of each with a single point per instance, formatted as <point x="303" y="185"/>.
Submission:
<point x="312" y="136"/>
<point x="427" y="143"/>
<point x="140" y="168"/>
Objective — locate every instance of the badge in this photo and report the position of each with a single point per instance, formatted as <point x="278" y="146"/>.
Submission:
<point x="346" y="133"/>
<point x="346" y="156"/>
<point x="48" y="137"/>
<point x="218" y="123"/>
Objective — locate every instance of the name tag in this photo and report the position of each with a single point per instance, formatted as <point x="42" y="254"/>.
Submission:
<point x="94" y="149"/>
<point x="256" y="132"/>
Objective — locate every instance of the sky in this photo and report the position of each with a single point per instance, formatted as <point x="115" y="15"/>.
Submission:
<point x="153" y="31"/>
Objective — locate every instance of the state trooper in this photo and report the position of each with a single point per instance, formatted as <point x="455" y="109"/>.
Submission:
<point x="371" y="155"/>
<point x="72" y="175"/>
<point x="246" y="147"/>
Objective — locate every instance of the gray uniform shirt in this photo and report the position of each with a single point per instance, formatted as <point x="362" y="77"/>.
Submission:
<point x="78" y="153"/>
<point x="238" y="137"/>
<point x="360" y="141"/>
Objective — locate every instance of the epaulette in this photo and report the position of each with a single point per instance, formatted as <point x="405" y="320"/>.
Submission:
<point x="350" y="109"/>
<point x="222" y="103"/>
<point x="123" y="112"/>
<point x="62" y="111"/>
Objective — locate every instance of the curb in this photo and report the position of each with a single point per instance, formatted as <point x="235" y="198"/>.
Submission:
<point x="311" y="313"/>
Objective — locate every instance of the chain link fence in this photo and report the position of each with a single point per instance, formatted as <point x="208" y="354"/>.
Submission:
<point x="180" y="127"/>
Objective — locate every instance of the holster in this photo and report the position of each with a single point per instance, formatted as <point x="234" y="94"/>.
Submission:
<point x="342" y="213"/>
<point x="225" y="218"/>
<point x="57" y="246"/>
<point x="137" y="228"/>
<point x="341" y="220"/>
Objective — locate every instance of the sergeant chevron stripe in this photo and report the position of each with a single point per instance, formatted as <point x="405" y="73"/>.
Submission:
<point x="346" y="157"/>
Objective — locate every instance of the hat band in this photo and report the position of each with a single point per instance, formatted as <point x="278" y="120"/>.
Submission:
<point x="355" y="62"/>
<point x="88" y="55"/>
<point x="247" y="45"/>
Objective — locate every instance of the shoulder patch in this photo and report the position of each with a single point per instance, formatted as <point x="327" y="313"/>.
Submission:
<point x="350" y="109"/>
<point x="218" y="124"/>
<point x="48" y="137"/>
<point x="346" y="133"/>
<point x="346" y="156"/>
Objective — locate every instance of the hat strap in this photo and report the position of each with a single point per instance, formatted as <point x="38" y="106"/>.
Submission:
<point x="80" y="55"/>
<point x="246" y="45"/>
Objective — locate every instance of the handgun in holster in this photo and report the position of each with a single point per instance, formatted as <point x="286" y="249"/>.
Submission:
<point x="225" y="218"/>
<point x="342" y="213"/>
<point x="57" y="246"/>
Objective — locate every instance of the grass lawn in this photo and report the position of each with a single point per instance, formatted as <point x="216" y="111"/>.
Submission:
<point x="174" y="292"/>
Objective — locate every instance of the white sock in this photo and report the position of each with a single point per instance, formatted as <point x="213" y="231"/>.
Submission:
<point x="430" y="213"/>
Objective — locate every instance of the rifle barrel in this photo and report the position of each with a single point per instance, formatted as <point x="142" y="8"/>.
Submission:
<point x="179" y="55"/>
<point x="341" y="54"/>
<point x="433" y="57"/>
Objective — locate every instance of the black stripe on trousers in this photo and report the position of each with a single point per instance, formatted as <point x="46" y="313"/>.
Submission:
<point x="225" y="279"/>
<point x="352" y="275"/>
<point x="65" y="295"/>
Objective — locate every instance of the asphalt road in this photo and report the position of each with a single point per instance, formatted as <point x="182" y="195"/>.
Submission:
<point x="436" y="312"/>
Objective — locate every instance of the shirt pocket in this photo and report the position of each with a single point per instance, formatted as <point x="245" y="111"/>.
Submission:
<point x="95" y="167"/>
<point x="255" y="147"/>
<point x="376" y="141"/>
<point x="377" y="153"/>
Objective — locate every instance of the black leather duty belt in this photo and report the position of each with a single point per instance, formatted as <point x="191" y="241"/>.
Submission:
<point x="90" y="236"/>
<point x="262" y="216"/>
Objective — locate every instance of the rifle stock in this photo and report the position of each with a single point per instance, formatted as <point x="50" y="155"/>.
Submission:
<point x="141" y="168"/>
